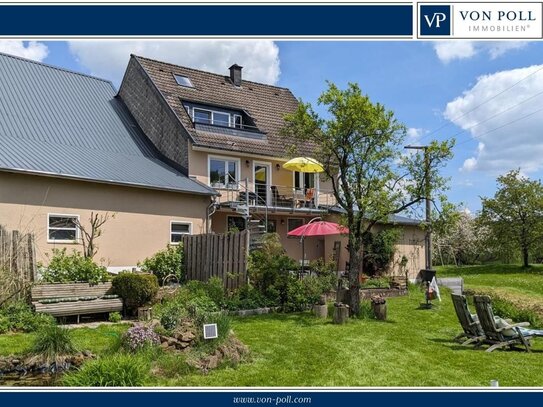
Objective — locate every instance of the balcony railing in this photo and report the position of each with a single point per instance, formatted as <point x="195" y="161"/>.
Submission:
<point x="276" y="197"/>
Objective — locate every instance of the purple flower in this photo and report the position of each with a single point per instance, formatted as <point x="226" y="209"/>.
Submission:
<point x="139" y="337"/>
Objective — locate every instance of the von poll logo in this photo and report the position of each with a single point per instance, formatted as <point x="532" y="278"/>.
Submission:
<point x="435" y="20"/>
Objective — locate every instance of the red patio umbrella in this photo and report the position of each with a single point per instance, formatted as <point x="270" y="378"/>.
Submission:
<point x="320" y="228"/>
<point x="316" y="227"/>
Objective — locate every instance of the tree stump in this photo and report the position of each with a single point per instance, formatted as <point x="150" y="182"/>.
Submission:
<point x="341" y="313"/>
<point x="379" y="306"/>
<point x="145" y="313"/>
<point x="320" y="311"/>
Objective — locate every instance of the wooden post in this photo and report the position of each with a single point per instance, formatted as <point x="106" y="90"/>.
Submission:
<point x="320" y="311"/>
<point x="145" y="313"/>
<point x="379" y="306"/>
<point x="341" y="313"/>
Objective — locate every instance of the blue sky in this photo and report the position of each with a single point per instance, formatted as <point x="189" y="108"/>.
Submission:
<point x="428" y="85"/>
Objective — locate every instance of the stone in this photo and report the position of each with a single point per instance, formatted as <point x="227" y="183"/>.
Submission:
<point x="15" y="361"/>
<point x="188" y="337"/>
<point x="164" y="344"/>
<point x="212" y="362"/>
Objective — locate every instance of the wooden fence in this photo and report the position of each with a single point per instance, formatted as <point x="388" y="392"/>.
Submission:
<point x="217" y="255"/>
<point x="17" y="264"/>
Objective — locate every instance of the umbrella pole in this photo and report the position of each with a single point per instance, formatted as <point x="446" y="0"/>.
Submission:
<point x="303" y="257"/>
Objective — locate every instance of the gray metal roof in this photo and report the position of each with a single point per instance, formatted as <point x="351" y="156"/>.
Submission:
<point x="63" y="123"/>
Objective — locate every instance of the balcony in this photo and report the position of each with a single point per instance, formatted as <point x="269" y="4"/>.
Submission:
<point x="276" y="198"/>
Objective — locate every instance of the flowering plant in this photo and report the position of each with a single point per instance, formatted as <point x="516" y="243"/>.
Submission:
<point x="139" y="337"/>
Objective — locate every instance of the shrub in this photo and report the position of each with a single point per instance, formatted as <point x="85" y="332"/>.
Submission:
<point x="248" y="297"/>
<point x="301" y="293"/>
<point x="52" y="342"/>
<point x="115" y="317"/>
<point x="165" y="262"/>
<point x="171" y="313"/>
<point x="326" y="273"/>
<point x="269" y="265"/>
<point x="135" y="289"/>
<point x="379" y="249"/>
<point x="18" y="316"/>
<point x="118" y="370"/>
<point x="138" y="338"/>
<point x="65" y="268"/>
<point x="376" y="283"/>
<point x="215" y="290"/>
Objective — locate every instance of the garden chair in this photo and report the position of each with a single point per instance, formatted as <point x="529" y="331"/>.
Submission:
<point x="498" y="332"/>
<point x="472" y="329"/>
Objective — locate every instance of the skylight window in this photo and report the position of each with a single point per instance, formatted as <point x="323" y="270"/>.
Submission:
<point x="183" y="81"/>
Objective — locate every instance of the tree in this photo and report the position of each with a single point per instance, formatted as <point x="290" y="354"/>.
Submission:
<point x="514" y="217"/>
<point x="92" y="232"/>
<point x="360" y="145"/>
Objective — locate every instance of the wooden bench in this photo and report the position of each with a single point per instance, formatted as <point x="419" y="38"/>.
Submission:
<point x="44" y="296"/>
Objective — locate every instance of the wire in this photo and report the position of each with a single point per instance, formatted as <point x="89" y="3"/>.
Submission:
<point x="481" y="104"/>
<point x="500" y="127"/>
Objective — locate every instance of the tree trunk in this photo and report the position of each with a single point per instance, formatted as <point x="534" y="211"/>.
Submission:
<point x="525" y="258"/>
<point x="355" y="262"/>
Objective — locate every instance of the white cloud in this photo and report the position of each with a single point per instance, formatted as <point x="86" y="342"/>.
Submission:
<point x="507" y="139"/>
<point x="448" y="51"/>
<point x="108" y="59"/>
<point x="36" y="51"/>
<point x="414" y="134"/>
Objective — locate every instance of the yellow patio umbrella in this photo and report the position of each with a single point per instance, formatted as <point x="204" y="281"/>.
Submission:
<point x="303" y="164"/>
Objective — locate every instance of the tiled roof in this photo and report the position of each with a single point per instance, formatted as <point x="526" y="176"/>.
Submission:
<point x="266" y="104"/>
<point x="62" y="123"/>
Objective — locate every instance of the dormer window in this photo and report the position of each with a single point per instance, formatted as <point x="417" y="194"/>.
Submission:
<point x="215" y="117"/>
<point x="183" y="81"/>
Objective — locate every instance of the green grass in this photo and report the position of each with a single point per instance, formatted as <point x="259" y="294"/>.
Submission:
<point x="413" y="348"/>
<point x="513" y="278"/>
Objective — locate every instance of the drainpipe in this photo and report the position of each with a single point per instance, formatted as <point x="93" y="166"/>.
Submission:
<point x="209" y="212"/>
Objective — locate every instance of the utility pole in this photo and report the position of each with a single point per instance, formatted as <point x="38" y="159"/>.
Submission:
<point x="427" y="192"/>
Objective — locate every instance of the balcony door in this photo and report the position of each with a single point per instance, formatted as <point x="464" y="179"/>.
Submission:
<point x="262" y="181"/>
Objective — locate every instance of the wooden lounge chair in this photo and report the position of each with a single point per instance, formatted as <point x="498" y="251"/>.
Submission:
<point x="505" y="335"/>
<point x="472" y="329"/>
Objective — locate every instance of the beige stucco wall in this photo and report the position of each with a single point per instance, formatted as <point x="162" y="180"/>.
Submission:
<point x="141" y="223"/>
<point x="411" y="245"/>
<point x="281" y="178"/>
<point x="314" y="247"/>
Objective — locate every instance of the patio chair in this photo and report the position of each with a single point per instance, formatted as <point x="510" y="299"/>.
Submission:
<point x="498" y="332"/>
<point x="472" y="329"/>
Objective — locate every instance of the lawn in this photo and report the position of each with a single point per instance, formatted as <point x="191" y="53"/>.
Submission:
<point x="413" y="348"/>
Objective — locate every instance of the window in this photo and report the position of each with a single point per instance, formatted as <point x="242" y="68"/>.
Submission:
<point x="183" y="81"/>
<point x="62" y="228"/>
<point x="223" y="172"/>
<point x="304" y="180"/>
<point x="202" y="116"/>
<point x="294" y="223"/>
<point x="237" y="121"/>
<point x="214" y="117"/>
<point x="235" y="223"/>
<point x="178" y="229"/>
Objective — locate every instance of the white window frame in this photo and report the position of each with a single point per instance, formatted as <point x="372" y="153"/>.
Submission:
<point x="179" y="222"/>
<point x="231" y="116"/>
<point x="269" y="182"/>
<point x="233" y="121"/>
<point x="226" y="159"/>
<point x="301" y="179"/>
<point x="63" y="215"/>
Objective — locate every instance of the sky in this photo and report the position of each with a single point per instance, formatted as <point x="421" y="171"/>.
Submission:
<point x="488" y="95"/>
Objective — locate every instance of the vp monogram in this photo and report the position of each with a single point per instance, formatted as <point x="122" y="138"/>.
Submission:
<point x="437" y="18"/>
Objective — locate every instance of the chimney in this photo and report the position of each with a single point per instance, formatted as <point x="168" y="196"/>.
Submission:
<point x="235" y="74"/>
